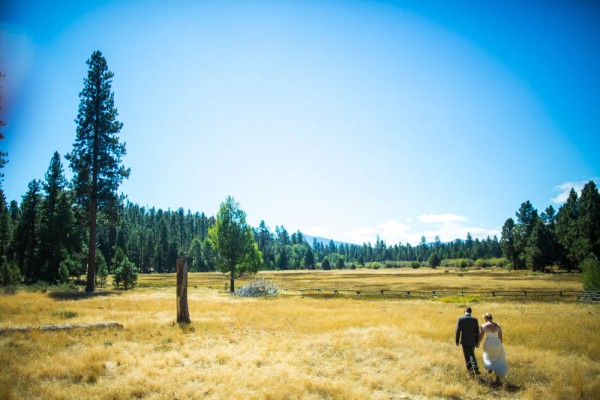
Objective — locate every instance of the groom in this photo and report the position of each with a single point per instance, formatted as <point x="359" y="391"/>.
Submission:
<point x="467" y="334"/>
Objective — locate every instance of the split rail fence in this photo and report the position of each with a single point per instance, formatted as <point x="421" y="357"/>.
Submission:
<point x="573" y="294"/>
<point x="583" y="296"/>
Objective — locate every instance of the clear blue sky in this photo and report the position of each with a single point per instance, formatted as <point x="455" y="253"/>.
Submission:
<point x="343" y="119"/>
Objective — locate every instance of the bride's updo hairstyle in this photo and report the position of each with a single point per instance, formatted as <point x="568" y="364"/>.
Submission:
<point x="488" y="317"/>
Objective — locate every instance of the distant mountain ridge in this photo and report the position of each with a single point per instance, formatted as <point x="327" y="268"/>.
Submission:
<point x="309" y="239"/>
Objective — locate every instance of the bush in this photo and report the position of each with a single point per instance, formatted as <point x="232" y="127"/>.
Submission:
<point x="125" y="271"/>
<point x="9" y="273"/>
<point x="257" y="288"/>
<point x="415" y="264"/>
<point x="591" y="273"/>
<point x="374" y="265"/>
<point x="434" y="260"/>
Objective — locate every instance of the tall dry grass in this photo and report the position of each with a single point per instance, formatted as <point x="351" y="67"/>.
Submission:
<point x="288" y="348"/>
<point x="398" y="279"/>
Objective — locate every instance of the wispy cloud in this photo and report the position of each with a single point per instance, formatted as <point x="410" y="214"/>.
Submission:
<point x="565" y="189"/>
<point x="447" y="227"/>
<point x="441" y="218"/>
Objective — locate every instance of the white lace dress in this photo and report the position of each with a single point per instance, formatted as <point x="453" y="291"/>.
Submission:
<point x="494" y="358"/>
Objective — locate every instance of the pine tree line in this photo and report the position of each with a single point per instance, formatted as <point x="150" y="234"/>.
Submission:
<point x="565" y="238"/>
<point x="46" y="237"/>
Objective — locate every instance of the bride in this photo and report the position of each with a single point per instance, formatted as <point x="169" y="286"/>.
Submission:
<point x="494" y="359"/>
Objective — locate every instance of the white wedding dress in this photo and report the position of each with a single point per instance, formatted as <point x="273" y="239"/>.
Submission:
<point x="494" y="358"/>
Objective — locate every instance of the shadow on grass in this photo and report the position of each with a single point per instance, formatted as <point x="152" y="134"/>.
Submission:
<point x="76" y="295"/>
<point x="504" y="386"/>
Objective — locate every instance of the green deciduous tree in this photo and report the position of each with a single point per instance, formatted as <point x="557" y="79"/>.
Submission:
<point x="96" y="159"/>
<point x="232" y="239"/>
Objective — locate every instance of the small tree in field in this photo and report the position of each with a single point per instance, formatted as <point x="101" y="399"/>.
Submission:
<point x="434" y="260"/>
<point x="232" y="239"/>
<point x="125" y="271"/>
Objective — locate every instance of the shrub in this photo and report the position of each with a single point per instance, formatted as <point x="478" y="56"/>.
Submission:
<point x="591" y="273"/>
<point x="257" y="288"/>
<point x="9" y="273"/>
<point x="125" y="271"/>
<point x="415" y="264"/>
<point x="67" y="314"/>
<point x="374" y="265"/>
<point x="434" y="260"/>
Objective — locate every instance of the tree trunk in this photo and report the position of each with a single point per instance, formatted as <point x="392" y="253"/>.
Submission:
<point x="91" y="273"/>
<point x="183" y="312"/>
<point x="231" y="284"/>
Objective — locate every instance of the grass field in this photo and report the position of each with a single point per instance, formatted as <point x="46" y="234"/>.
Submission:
<point x="295" y="347"/>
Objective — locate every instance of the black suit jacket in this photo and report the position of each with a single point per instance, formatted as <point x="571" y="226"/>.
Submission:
<point x="467" y="331"/>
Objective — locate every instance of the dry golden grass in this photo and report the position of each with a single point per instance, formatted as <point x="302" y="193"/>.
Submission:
<point x="392" y="279"/>
<point x="289" y="347"/>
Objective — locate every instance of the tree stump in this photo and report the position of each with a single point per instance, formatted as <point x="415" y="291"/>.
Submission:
<point x="183" y="312"/>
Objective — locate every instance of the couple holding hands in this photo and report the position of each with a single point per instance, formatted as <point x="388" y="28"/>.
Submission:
<point x="469" y="334"/>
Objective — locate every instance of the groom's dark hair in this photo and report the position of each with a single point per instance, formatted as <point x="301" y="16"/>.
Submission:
<point x="468" y="310"/>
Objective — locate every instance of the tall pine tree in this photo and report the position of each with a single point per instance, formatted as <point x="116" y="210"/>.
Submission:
<point x="96" y="159"/>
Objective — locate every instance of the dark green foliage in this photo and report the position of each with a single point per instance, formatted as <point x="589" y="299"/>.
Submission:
<point x="325" y="265"/>
<point x="9" y="273"/>
<point x="434" y="260"/>
<point x="126" y="273"/>
<point x="27" y="233"/>
<point x="57" y="236"/>
<point x="5" y="227"/>
<point x="591" y="273"/>
<point x="567" y="237"/>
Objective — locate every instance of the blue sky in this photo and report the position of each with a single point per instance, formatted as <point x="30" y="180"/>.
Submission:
<point x="342" y="119"/>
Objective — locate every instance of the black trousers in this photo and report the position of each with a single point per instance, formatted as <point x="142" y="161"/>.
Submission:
<point x="469" y="351"/>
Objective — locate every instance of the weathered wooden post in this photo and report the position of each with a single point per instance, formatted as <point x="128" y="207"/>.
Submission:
<point x="183" y="312"/>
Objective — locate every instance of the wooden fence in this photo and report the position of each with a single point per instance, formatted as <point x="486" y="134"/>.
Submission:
<point x="590" y="296"/>
<point x="566" y="294"/>
<point x="584" y="296"/>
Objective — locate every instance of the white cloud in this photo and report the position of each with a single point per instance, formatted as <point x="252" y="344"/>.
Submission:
<point x="318" y="231"/>
<point x="565" y="189"/>
<point x="441" y="218"/>
<point x="447" y="227"/>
